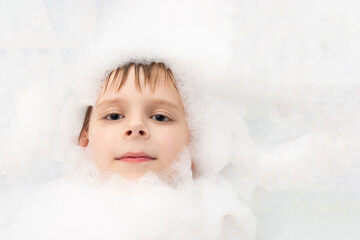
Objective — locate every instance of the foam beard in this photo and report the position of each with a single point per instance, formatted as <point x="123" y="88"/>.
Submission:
<point x="85" y="205"/>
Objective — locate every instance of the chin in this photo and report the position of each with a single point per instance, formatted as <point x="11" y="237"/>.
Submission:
<point x="133" y="174"/>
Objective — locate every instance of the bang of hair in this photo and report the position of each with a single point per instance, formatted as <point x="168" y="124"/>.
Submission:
<point x="152" y="76"/>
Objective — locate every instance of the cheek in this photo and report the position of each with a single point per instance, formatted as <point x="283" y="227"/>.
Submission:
<point x="173" y="141"/>
<point x="100" y="141"/>
<point x="99" y="134"/>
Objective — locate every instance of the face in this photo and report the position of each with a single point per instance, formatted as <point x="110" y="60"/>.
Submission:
<point x="132" y="132"/>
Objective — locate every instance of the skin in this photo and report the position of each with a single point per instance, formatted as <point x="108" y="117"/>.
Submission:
<point x="130" y="120"/>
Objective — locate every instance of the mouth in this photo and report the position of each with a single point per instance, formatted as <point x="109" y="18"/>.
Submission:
<point x="135" y="157"/>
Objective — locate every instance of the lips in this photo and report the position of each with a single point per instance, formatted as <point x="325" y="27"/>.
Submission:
<point x="135" y="157"/>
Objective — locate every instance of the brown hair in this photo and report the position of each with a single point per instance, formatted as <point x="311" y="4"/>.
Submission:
<point x="118" y="76"/>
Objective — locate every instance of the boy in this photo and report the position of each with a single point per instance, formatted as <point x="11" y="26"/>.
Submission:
<point x="138" y="123"/>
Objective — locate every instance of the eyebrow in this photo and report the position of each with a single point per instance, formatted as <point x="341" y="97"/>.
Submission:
<point x="152" y="102"/>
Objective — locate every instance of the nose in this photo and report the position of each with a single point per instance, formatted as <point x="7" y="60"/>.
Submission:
<point x="137" y="130"/>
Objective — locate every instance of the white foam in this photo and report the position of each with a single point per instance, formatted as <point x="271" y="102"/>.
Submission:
<point x="86" y="205"/>
<point x="271" y="91"/>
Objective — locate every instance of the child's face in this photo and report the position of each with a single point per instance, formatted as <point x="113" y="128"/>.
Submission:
<point x="144" y="123"/>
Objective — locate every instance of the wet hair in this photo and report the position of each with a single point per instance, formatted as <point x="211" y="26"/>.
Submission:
<point x="117" y="78"/>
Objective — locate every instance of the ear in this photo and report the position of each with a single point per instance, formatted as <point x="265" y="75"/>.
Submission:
<point x="193" y="170"/>
<point x="83" y="139"/>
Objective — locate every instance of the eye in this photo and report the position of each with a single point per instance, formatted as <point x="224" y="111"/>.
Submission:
<point x="160" y="118"/>
<point x="114" y="116"/>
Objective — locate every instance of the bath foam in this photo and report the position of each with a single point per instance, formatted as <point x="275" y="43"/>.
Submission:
<point x="291" y="93"/>
<point x="86" y="205"/>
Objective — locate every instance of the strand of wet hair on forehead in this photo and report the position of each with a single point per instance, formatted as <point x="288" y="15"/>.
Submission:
<point x="151" y="74"/>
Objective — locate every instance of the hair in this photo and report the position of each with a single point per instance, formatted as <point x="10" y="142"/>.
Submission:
<point x="117" y="78"/>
